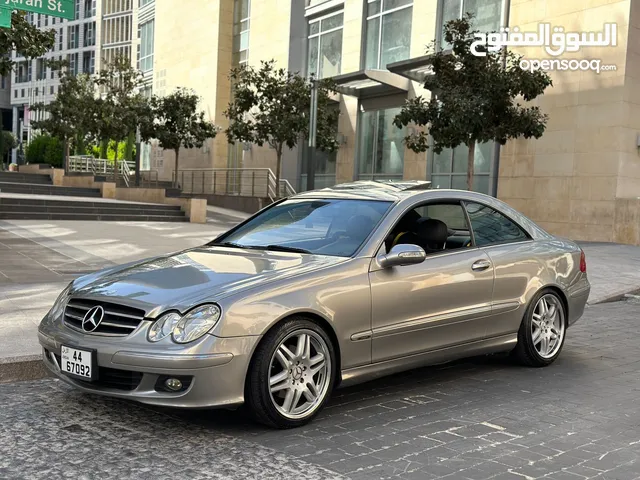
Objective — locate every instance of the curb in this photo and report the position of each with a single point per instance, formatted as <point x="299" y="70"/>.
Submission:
<point x="625" y="294"/>
<point x="23" y="368"/>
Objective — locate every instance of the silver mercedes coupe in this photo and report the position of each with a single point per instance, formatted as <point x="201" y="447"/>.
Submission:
<point x="324" y="289"/>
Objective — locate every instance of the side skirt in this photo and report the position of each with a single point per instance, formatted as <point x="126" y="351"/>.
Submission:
<point x="366" y="373"/>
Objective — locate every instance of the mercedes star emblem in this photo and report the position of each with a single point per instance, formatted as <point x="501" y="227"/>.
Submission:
<point x="92" y="319"/>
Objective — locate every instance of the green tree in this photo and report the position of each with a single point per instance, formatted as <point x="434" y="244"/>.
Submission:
<point x="70" y="115"/>
<point x="475" y="99"/>
<point x="176" y="122"/>
<point x="121" y="109"/>
<point x="45" y="149"/>
<point x="7" y="143"/>
<point x="26" y="39"/>
<point x="271" y="106"/>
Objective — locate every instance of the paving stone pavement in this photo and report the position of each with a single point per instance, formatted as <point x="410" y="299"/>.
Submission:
<point x="478" y="419"/>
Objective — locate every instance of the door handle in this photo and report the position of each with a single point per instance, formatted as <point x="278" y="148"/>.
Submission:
<point x="480" y="265"/>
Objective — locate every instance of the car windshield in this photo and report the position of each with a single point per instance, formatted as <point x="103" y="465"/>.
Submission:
<point x="318" y="226"/>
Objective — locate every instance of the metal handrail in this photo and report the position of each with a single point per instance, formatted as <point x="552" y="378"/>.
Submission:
<point x="152" y="177"/>
<point x="255" y="182"/>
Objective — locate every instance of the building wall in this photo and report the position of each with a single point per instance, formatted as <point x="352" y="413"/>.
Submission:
<point x="193" y="49"/>
<point x="570" y="179"/>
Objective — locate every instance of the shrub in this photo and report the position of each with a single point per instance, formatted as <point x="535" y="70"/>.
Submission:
<point x="46" y="149"/>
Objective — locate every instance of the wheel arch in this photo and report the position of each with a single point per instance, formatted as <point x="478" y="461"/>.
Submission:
<point x="320" y="321"/>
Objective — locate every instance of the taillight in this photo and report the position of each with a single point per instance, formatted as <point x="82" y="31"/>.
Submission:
<point x="583" y="262"/>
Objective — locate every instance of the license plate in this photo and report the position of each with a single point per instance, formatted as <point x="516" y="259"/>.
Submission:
<point x="77" y="363"/>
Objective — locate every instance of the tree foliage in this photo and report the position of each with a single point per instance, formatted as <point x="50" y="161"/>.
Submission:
<point x="121" y="108"/>
<point x="26" y="39"/>
<point x="176" y="123"/>
<point x="70" y="115"/>
<point x="475" y="99"/>
<point x="271" y="106"/>
<point x="45" y="149"/>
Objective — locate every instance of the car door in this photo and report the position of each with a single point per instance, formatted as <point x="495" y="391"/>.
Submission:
<point x="510" y="250"/>
<point x="442" y="302"/>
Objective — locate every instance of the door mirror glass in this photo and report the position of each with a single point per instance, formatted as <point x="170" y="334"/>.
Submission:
<point x="403" y="254"/>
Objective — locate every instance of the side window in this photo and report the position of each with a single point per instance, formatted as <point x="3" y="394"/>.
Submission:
<point x="491" y="227"/>
<point x="435" y="227"/>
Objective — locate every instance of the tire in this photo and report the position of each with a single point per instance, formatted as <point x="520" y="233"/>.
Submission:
<point x="290" y="405"/>
<point x="531" y="351"/>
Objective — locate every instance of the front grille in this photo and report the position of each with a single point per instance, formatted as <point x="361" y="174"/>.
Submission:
<point x="112" y="378"/>
<point x="118" y="321"/>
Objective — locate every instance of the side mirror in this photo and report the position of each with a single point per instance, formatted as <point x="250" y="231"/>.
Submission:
<point x="402" y="255"/>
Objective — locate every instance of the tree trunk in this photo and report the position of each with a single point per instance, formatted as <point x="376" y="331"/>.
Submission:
<point x="66" y="156"/>
<point x="104" y="149"/>
<point x="115" y="163"/>
<point x="175" y="180"/>
<point x="128" y="153"/>
<point x="470" y="164"/>
<point x="278" y="167"/>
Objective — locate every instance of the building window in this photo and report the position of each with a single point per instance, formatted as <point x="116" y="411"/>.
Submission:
<point x="449" y="168"/>
<point x="89" y="34"/>
<point x="486" y="13"/>
<point x="325" y="45"/>
<point x="51" y="90"/>
<point x="381" y="149"/>
<point x="77" y="10"/>
<point x="60" y="40"/>
<point x="145" y="2"/>
<point x="146" y="46"/>
<point x="241" y="20"/>
<point x="388" y="37"/>
<point x="74" y="36"/>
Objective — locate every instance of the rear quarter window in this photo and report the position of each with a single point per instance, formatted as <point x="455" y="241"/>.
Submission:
<point x="491" y="227"/>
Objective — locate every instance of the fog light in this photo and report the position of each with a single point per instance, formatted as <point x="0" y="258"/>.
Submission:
<point x="173" y="384"/>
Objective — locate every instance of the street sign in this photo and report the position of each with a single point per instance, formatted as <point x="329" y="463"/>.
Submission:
<point x="5" y="17"/>
<point x="55" y="8"/>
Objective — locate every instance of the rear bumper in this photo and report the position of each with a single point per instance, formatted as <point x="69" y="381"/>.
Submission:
<point x="577" y="298"/>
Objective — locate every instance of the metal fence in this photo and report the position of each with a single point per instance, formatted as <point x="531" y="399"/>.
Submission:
<point x="247" y="182"/>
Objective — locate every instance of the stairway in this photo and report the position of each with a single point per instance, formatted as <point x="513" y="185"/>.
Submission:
<point x="39" y="209"/>
<point x="38" y="184"/>
<point x="21" y="207"/>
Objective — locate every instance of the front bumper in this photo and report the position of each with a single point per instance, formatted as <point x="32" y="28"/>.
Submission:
<point x="212" y="369"/>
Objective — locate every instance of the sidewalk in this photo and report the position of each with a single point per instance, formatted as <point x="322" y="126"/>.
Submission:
<point x="38" y="259"/>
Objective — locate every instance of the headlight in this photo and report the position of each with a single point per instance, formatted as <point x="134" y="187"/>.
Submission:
<point x="196" y="323"/>
<point x="61" y="302"/>
<point x="163" y="327"/>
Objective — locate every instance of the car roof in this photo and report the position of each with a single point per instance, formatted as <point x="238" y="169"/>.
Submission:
<point x="386" y="190"/>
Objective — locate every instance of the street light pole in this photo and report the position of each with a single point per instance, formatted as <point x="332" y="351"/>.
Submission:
<point x="313" y="128"/>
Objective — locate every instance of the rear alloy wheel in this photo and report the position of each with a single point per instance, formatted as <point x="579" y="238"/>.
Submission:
<point x="543" y="329"/>
<point x="292" y="374"/>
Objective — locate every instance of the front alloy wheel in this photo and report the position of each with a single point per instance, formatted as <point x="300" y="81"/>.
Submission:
<point x="292" y="374"/>
<point x="542" y="332"/>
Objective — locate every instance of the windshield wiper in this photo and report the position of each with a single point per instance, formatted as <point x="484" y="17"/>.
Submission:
<point x="229" y="244"/>
<point x="282" y="248"/>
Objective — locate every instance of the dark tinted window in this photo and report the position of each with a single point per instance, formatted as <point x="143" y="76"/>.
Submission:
<point x="490" y="226"/>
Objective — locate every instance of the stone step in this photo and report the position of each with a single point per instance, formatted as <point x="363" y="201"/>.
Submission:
<point x="36" y="189"/>
<point x="104" y="210"/>
<point x="119" y="217"/>
<point x="35" y="178"/>
<point x="15" y="202"/>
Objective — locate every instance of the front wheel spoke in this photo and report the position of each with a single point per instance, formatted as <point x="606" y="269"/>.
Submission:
<point x="310" y="393"/>
<point x="317" y="368"/>
<point x="315" y="360"/>
<point x="537" y="336"/>
<point x="544" y="346"/>
<point x="552" y="311"/>
<point x="544" y="307"/>
<point x="297" y="395"/>
<point x="285" y="356"/>
<point x="279" y="381"/>
<point x="288" y="400"/>
<point x="537" y="319"/>
<point x="303" y="338"/>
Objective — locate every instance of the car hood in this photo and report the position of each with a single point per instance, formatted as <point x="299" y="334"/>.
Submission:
<point x="194" y="276"/>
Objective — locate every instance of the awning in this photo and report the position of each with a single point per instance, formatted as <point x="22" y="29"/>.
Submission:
<point x="369" y="83"/>
<point x="415" y="69"/>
